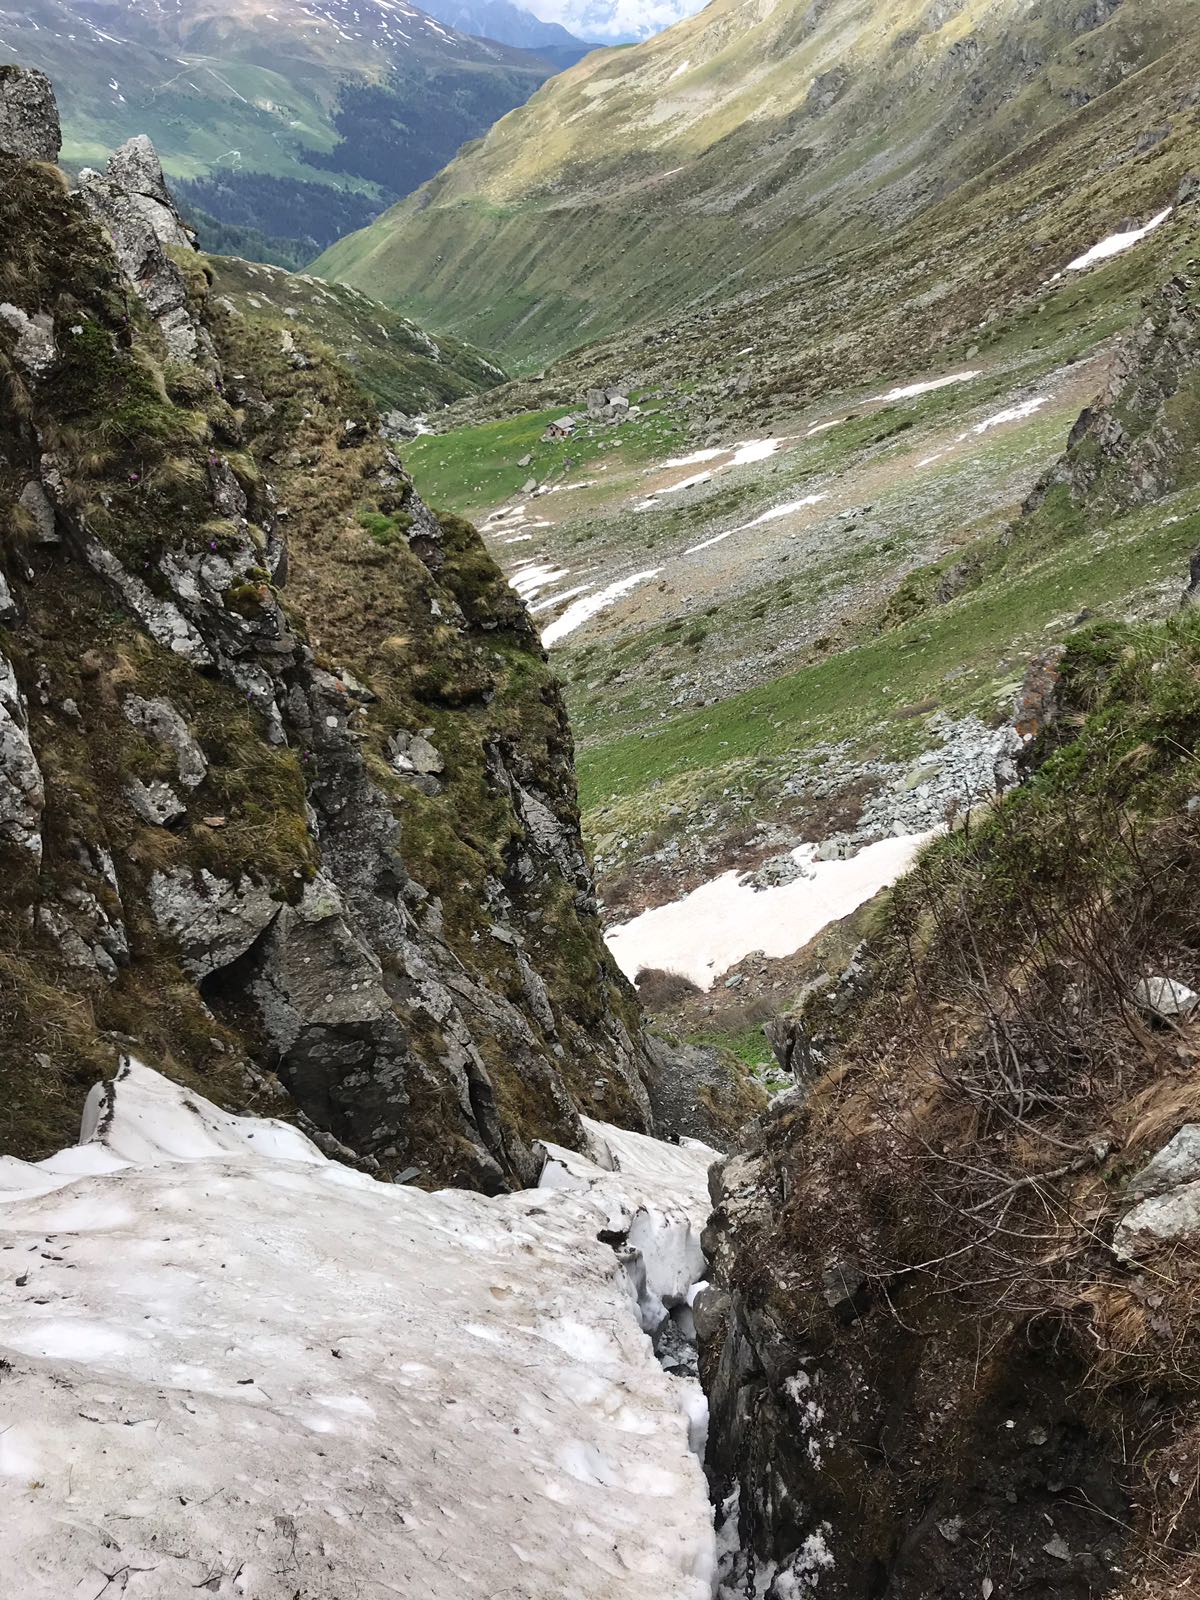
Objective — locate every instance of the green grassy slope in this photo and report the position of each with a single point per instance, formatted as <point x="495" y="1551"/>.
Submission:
<point x="397" y="364"/>
<point x="726" y="156"/>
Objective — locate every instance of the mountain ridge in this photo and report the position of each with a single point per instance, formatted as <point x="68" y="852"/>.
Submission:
<point x="272" y="112"/>
<point x="751" y="142"/>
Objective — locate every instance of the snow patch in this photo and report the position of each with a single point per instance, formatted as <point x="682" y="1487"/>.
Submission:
<point x="553" y="600"/>
<point x="912" y="390"/>
<point x="754" y="450"/>
<point x="531" y="578"/>
<point x="772" y="515"/>
<point x="583" y="610"/>
<point x="710" y="930"/>
<point x="687" y="483"/>
<point x="273" y="1367"/>
<point x="694" y="460"/>
<point x="1017" y="413"/>
<point x="1115" y="244"/>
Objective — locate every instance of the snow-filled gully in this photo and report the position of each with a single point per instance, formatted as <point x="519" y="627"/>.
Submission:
<point x="231" y="1366"/>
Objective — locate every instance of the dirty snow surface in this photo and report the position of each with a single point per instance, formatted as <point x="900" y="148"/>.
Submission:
<point x="234" y="1367"/>
<point x="710" y="930"/>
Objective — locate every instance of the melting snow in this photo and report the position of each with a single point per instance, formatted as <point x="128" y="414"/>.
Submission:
<point x="1114" y="245"/>
<point x="258" y="1372"/>
<point x="772" y="515"/>
<point x="583" y="610"/>
<point x="694" y="460"/>
<point x="687" y="483"/>
<point x="531" y="578"/>
<point x="553" y="600"/>
<point x="1016" y="413"/>
<point x="912" y="390"/>
<point x="725" y="920"/>
<point x="754" y="450"/>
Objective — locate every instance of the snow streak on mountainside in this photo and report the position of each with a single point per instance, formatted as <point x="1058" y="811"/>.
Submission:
<point x="234" y="1367"/>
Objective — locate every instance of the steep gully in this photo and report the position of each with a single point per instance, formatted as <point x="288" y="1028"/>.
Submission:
<point x="159" y="1167"/>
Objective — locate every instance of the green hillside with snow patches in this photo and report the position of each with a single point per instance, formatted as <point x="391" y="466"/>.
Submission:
<point x="294" y="122"/>
<point x="749" y="146"/>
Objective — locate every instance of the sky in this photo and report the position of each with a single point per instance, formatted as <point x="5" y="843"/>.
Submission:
<point x="608" y="21"/>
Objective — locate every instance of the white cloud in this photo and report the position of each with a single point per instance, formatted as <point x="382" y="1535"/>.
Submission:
<point x="609" y="21"/>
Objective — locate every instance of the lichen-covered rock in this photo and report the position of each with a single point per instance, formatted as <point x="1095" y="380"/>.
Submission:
<point x="155" y="802"/>
<point x="34" y="502"/>
<point x="1167" y="1192"/>
<point x="212" y="920"/>
<point x="162" y="618"/>
<point x="160" y="720"/>
<point x="136" y="169"/>
<point x="29" y="126"/>
<point x="84" y="933"/>
<point x="1165" y="998"/>
<point x="35" y="348"/>
<point x="132" y="202"/>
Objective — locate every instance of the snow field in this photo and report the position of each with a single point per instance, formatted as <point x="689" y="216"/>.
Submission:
<point x="241" y="1369"/>
<point x="710" y="930"/>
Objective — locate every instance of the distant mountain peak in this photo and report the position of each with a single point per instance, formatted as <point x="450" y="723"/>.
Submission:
<point x="512" y="25"/>
<point x="289" y="121"/>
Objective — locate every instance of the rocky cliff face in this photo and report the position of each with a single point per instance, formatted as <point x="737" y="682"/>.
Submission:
<point x="286" y="787"/>
<point x="1142" y="438"/>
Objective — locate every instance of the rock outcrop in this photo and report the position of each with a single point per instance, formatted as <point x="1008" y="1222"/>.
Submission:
<point x="953" y="1274"/>
<point x="1137" y="443"/>
<point x="286" y="787"/>
<point x="29" y="125"/>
